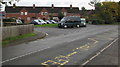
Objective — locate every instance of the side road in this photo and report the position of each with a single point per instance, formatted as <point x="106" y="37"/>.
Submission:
<point x="39" y="35"/>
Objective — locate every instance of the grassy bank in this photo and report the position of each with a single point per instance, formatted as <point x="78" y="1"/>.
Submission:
<point x="46" y="25"/>
<point x="10" y="39"/>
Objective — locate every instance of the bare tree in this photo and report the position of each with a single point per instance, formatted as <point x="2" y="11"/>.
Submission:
<point x="93" y="2"/>
<point x="3" y="4"/>
<point x="9" y="2"/>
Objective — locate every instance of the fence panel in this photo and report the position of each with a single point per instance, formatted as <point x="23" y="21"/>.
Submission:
<point x="16" y="30"/>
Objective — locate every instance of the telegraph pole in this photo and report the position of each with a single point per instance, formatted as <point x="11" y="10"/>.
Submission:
<point x="3" y="4"/>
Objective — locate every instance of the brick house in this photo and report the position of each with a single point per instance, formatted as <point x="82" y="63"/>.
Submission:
<point x="27" y="13"/>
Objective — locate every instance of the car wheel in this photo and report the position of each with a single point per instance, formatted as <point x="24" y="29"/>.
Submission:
<point x="78" y="26"/>
<point x="85" y="26"/>
<point x="65" y="26"/>
<point x="59" y="27"/>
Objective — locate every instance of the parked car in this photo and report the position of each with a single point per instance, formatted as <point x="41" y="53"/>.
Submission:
<point x="53" y="21"/>
<point x="18" y="21"/>
<point x="83" y="22"/>
<point x="48" y="22"/>
<point x="42" y="21"/>
<point x="34" y="22"/>
<point x="38" y="22"/>
<point x="70" y="21"/>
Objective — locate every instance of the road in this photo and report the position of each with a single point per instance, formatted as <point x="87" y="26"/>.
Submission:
<point x="108" y="57"/>
<point x="73" y="46"/>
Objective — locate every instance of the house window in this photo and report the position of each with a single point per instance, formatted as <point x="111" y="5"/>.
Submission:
<point x="46" y="13"/>
<point x="65" y="13"/>
<point x="26" y="13"/>
<point x="41" y="13"/>
<point x="28" y="18"/>
<point x="22" y="13"/>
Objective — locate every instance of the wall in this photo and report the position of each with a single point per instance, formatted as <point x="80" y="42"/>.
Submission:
<point x="16" y="30"/>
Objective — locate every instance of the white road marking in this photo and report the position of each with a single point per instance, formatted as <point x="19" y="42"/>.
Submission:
<point x="23" y="55"/>
<point x="85" y="62"/>
<point x="100" y="52"/>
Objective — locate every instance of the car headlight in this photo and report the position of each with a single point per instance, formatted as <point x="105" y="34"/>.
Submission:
<point x="84" y="23"/>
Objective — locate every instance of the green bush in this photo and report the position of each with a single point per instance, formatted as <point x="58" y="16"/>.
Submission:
<point x="97" y="21"/>
<point x="9" y="20"/>
<point x="109" y="21"/>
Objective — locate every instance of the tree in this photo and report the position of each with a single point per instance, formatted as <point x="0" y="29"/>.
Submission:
<point x="51" y="16"/>
<point x="83" y="12"/>
<point x="93" y="2"/>
<point x="107" y="11"/>
<point x="60" y="15"/>
<point x="9" y="2"/>
<point x="118" y="17"/>
<point x="3" y="4"/>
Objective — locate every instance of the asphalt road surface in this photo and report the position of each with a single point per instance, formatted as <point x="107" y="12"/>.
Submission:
<point x="73" y="46"/>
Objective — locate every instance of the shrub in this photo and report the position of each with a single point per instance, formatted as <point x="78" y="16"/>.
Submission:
<point x="97" y="21"/>
<point x="9" y="20"/>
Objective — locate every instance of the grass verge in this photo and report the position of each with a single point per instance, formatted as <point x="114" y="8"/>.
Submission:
<point x="46" y="25"/>
<point x="10" y="39"/>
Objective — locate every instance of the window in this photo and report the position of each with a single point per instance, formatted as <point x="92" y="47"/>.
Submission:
<point x="28" y="18"/>
<point x="22" y="13"/>
<point x="41" y="13"/>
<point x="65" y="13"/>
<point x="25" y="13"/>
<point x="46" y="13"/>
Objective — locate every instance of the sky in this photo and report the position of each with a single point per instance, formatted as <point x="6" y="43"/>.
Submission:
<point x="58" y="3"/>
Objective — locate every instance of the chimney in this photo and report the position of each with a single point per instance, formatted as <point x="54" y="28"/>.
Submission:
<point x="33" y="6"/>
<point x="70" y="6"/>
<point x="52" y="6"/>
<point x="14" y="5"/>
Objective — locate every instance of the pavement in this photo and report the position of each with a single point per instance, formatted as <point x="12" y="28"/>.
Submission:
<point x="39" y="35"/>
<point x="69" y="47"/>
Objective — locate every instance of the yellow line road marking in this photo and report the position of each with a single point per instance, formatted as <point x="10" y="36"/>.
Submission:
<point x="95" y="41"/>
<point x="62" y="60"/>
<point x="104" y="37"/>
<point x="49" y="61"/>
<point x="73" y="53"/>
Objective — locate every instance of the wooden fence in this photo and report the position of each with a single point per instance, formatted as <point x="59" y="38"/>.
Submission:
<point x="12" y="31"/>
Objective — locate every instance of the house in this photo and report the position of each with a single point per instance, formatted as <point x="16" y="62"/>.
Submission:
<point x="28" y="13"/>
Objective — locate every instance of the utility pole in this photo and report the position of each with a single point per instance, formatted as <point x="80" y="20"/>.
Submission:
<point x="3" y="4"/>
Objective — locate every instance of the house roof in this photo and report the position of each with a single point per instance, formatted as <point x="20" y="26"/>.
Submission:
<point x="10" y="9"/>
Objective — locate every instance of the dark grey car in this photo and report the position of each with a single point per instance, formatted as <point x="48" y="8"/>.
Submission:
<point x="70" y="21"/>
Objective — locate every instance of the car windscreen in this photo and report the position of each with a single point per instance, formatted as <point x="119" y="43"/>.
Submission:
<point x="83" y="21"/>
<point x="70" y="19"/>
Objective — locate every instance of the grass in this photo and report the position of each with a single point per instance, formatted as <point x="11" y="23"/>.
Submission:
<point x="46" y="25"/>
<point x="8" y="40"/>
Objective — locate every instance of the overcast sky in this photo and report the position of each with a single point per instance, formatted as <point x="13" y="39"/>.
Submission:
<point x="58" y="3"/>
